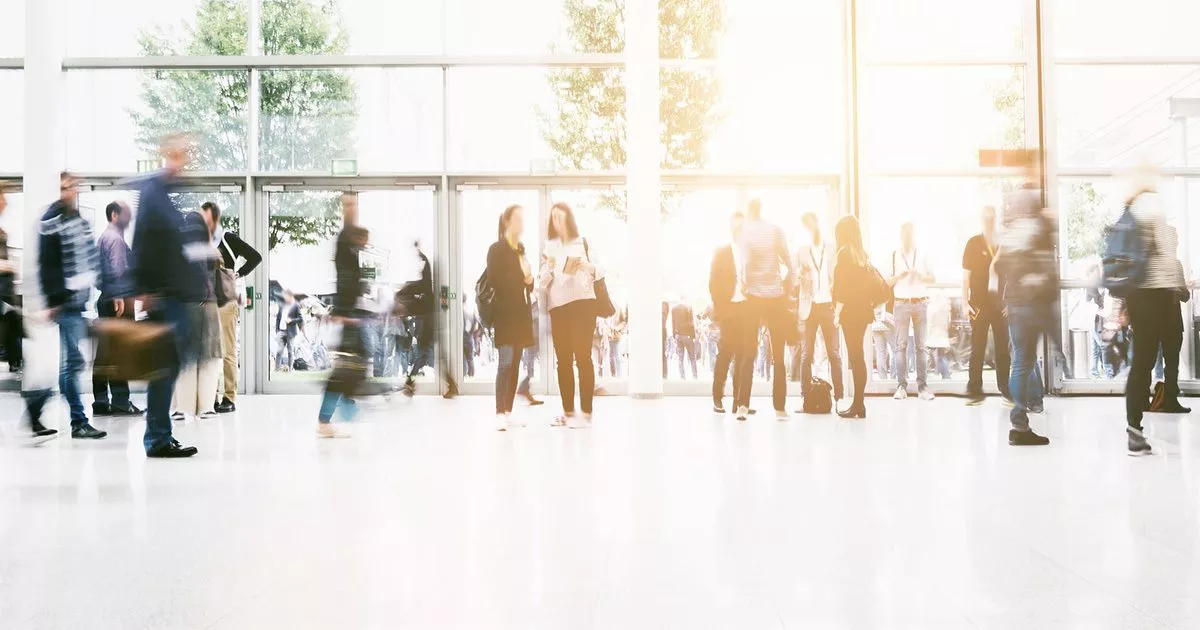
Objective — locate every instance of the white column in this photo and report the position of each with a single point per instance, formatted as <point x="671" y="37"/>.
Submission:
<point x="44" y="148"/>
<point x="644" y="190"/>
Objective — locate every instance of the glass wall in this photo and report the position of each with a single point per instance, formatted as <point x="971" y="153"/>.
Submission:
<point x="12" y="121"/>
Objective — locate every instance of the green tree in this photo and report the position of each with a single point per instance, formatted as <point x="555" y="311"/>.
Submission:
<point x="586" y="125"/>
<point x="307" y="117"/>
<point x="1084" y="222"/>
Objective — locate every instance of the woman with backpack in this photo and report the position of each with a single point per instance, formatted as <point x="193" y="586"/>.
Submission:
<point x="510" y="279"/>
<point x="854" y="282"/>
<point x="569" y="276"/>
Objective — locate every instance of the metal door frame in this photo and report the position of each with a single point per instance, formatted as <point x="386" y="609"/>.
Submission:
<point x="262" y="188"/>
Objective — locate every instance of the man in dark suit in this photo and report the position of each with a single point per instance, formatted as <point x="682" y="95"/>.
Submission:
<point x="729" y="306"/>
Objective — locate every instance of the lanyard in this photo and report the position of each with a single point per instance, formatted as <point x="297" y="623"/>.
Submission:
<point x="909" y="266"/>
<point x="819" y="266"/>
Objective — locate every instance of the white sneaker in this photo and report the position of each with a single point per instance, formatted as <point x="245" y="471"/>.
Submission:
<point x="742" y="412"/>
<point x="513" y="422"/>
<point x="331" y="432"/>
<point x="926" y="394"/>
<point x="781" y="415"/>
<point x="900" y="394"/>
<point x="579" y="421"/>
<point x="501" y="422"/>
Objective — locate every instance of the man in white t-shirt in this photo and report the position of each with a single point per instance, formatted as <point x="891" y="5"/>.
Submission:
<point x="814" y="264"/>
<point x="911" y="278"/>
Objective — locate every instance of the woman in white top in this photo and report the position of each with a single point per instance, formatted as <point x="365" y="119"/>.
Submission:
<point x="568" y="276"/>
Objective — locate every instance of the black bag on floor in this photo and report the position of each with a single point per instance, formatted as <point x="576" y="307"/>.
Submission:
<point x="818" y="397"/>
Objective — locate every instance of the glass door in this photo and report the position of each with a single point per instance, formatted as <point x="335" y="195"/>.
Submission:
<point x="400" y="263"/>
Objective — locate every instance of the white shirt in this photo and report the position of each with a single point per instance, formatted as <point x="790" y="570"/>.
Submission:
<point x="816" y="263"/>
<point x="563" y="288"/>
<point x="911" y="287"/>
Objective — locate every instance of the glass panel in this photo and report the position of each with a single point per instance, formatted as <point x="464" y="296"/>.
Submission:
<point x="1114" y="28"/>
<point x="12" y="121"/>
<point x="945" y="212"/>
<point x="939" y="29"/>
<point x="12" y="222"/>
<point x="129" y="111"/>
<point x="600" y="214"/>
<point x="303" y="227"/>
<point x="1097" y="341"/>
<point x="12" y="29"/>
<point x="959" y="111"/>
<point x="481" y="211"/>
<point x="486" y="27"/>
<point x="535" y="119"/>
<point x="389" y="120"/>
<point x="142" y="28"/>
<point x="947" y="343"/>
<point x="1122" y="115"/>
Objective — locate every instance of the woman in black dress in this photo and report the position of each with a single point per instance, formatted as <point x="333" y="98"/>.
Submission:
<point x="509" y="275"/>
<point x="853" y="282"/>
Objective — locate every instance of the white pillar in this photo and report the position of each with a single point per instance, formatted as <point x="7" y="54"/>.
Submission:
<point x="44" y="159"/>
<point x="645" y="193"/>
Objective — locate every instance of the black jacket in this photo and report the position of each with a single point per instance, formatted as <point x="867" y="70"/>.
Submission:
<point x="349" y="281"/>
<point x="233" y="247"/>
<point x="722" y="282"/>
<point x="417" y="296"/>
<point x="160" y="266"/>
<point x="512" y="317"/>
<point x="852" y="287"/>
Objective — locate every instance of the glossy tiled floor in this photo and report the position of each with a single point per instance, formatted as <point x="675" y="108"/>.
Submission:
<point x="662" y="516"/>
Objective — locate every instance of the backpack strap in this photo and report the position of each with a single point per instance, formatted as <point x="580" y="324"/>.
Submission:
<point x="587" y="254"/>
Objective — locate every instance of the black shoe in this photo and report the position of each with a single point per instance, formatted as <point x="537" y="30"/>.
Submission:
<point x="126" y="410"/>
<point x="1174" y="407"/>
<point x="410" y="387"/>
<point x="178" y="416"/>
<point x="533" y="402"/>
<point x="172" y="450"/>
<point x="39" y="430"/>
<point x="101" y="409"/>
<point x="225" y="406"/>
<point x="718" y="407"/>
<point x="1136" y="442"/>
<point x="974" y="400"/>
<point x="1037" y="408"/>
<point x="752" y="411"/>
<point x="86" y="431"/>
<point x="1026" y="438"/>
<point x="853" y="413"/>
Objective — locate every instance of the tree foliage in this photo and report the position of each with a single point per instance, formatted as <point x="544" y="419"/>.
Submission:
<point x="307" y="116"/>
<point x="586" y="126"/>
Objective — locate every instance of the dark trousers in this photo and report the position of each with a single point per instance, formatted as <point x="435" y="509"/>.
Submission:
<point x="737" y="347"/>
<point x="468" y="354"/>
<point x="528" y="359"/>
<point x="158" y="394"/>
<point x="1151" y="316"/>
<point x="507" y="372"/>
<point x="821" y="317"/>
<point x="989" y="317"/>
<point x="854" y="328"/>
<point x="772" y="313"/>
<point x="571" y="327"/>
<point x="349" y="372"/>
<point x="100" y="385"/>
<point x="14" y="333"/>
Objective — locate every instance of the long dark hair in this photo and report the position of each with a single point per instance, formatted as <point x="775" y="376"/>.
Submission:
<point x="505" y="217"/>
<point x="572" y="226"/>
<point x="848" y="236"/>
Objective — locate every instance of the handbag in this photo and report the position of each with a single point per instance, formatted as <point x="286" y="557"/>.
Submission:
<point x="604" y="304"/>
<point x="133" y="351"/>
<point x="225" y="282"/>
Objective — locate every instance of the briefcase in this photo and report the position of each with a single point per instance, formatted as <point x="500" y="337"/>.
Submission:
<point x="133" y="351"/>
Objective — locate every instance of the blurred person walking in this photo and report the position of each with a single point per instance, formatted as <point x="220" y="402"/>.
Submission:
<point x="510" y="277"/>
<point x="116" y="293"/>
<point x="529" y="357"/>
<point x="289" y="322"/>
<point x="1165" y="397"/>
<point x="14" y="320"/>
<point x="350" y="361"/>
<point x="981" y="299"/>
<point x="815" y="263"/>
<point x="568" y="276"/>
<point x="911" y="277"/>
<point x="738" y="343"/>
<point x="854" y="281"/>
<point x="683" y="325"/>
<point x="1152" y="303"/>
<point x="200" y="369"/>
<point x="231" y="249"/>
<point x="417" y="300"/>
<point x="68" y="266"/>
<point x="764" y="249"/>
<point x="164" y="277"/>
<point x="1026" y="262"/>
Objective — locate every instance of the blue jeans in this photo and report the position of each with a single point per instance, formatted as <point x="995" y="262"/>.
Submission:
<point x="158" y="393"/>
<point x="71" y="330"/>
<point x="507" y="372"/>
<point x="911" y="314"/>
<point x="1026" y="325"/>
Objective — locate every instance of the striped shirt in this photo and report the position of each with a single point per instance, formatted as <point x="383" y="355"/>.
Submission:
<point x="1162" y="267"/>
<point x="764" y="248"/>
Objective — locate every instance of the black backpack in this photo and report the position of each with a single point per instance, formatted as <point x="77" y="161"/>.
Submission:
<point x="485" y="300"/>
<point x="818" y="397"/>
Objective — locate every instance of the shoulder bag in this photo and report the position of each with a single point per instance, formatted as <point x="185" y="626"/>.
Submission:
<point x="604" y="305"/>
